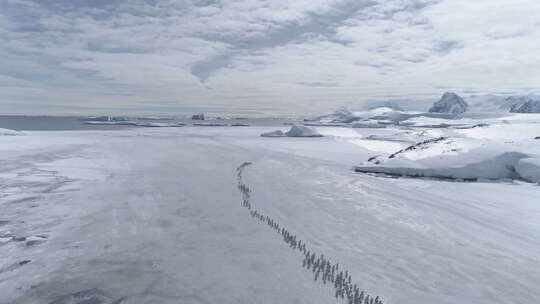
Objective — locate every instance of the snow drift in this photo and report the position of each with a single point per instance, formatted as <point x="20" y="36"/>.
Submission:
<point x="106" y="118"/>
<point x="160" y="125"/>
<point x="209" y="124"/>
<point x="110" y="122"/>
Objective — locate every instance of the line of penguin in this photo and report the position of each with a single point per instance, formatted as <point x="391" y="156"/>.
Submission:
<point x="323" y="269"/>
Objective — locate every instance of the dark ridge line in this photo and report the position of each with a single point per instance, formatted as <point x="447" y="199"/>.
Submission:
<point x="321" y="266"/>
<point x="420" y="144"/>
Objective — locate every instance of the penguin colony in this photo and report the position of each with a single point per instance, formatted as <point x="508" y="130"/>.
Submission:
<point x="322" y="268"/>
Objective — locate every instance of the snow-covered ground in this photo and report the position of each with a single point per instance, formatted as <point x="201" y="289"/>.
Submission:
<point x="153" y="215"/>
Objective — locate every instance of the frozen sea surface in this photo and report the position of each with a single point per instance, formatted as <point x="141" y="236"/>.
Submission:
<point x="154" y="216"/>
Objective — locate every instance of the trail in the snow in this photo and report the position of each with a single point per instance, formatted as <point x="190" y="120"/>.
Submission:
<point x="323" y="269"/>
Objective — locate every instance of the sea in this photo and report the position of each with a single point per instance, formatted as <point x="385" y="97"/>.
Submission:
<point x="66" y="123"/>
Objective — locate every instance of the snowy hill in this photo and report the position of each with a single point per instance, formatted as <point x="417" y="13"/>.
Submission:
<point x="493" y="149"/>
<point x="449" y="103"/>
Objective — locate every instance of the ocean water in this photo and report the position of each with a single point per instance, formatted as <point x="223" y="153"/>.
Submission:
<point x="65" y="123"/>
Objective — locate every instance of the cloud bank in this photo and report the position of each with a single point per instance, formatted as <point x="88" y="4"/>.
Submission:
<point x="257" y="56"/>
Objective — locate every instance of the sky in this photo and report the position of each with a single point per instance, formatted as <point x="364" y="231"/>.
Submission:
<point x="260" y="57"/>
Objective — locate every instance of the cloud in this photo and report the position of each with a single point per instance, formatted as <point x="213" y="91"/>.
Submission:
<point x="304" y="55"/>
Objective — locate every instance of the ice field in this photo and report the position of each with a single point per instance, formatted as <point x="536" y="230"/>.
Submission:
<point x="154" y="215"/>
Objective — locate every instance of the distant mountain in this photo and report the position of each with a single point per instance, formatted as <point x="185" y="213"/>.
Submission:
<point x="497" y="103"/>
<point x="487" y="103"/>
<point x="513" y="102"/>
<point x="449" y="103"/>
<point x="528" y="106"/>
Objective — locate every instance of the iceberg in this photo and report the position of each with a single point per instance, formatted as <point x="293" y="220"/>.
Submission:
<point x="199" y="116"/>
<point x="302" y="131"/>
<point x="449" y="103"/>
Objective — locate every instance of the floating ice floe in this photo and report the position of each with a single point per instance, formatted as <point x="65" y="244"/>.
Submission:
<point x="106" y="118"/>
<point x="109" y="123"/>
<point x="210" y="124"/>
<point x="160" y="125"/>
<point x="154" y="118"/>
